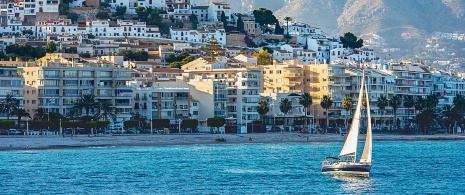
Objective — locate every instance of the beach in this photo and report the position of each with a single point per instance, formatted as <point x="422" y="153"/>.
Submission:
<point x="59" y="142"/>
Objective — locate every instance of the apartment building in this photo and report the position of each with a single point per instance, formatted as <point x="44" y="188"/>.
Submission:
<point x="56" y="82"/>
<point x="11" y="83"/>
<point x="224" y="90"/>
<point x="195" y="36"/>
<point x="166" y="100"/>
<point x="283" y="77"/>
<point x="446" y="86"/>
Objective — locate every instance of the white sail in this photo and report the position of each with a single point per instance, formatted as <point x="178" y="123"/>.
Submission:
<point x="350" y="145"/>
<point x="366" y="155"/>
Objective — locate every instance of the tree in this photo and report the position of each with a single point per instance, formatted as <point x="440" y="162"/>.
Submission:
<point x="216" y="122"/>
<point x="287" y="19"/>
<point x="326" y="103"/>
<point x="104" y="4"/>
<point x="382" y="103"/>
<point x="131" y="124"/>
<point x="102" y="15"/>
<point x="27" y="32"/>
<point x="425" y="119"/>
<point x="448" y="115"/>
<point x="8" y="104"/>
<point x="105" y="110"/>
<point x="7" y="124"/>
<point x="432" y="101"/>
<point x="84" y="55"/>
<point x="20" y="113"/>
<point x="285" y="106"/>
<point x="142" y="13"/>
<point x="127" y="54"/>
<point x="73" y="114"/>
<point x="459" y="103"/>
<point x="262" y="109"/>
<point x="263" y="57"/>
<point x="155" y="19"/>
<point x="140" y="55"/>
<point x="63" y="8"/>
<point x="86" y="101"/>
<point x="140" y="118"/>
<point x="420" y="104"/>
<point x="194" y="20"/>
<point x="347" y="105"/>
<point x="189" y="124"/>
<point x="212" y="49"/>
<point x="120" y="10"/>
<point x="395" y="102"/>
<point x="349" y="40"/>
<point x="264" y="17"/>
<point x="160" y="123"/>
<point x="409" y="102"/>
<point x="224" y="21"/>
<point x="306" y="101"/>
<point x="73" y="16"/>
<point x="278" y="29"/>
<point x="240" y="24"/>
<point x="51" y="47"/>
<point x="40" y="115"/>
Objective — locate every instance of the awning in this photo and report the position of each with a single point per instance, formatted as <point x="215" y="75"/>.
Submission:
<point x="125" y="90"/>
<point x="390" y="80"/>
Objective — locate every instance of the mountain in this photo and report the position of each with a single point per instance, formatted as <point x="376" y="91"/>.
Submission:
<point x="388" y="18"/>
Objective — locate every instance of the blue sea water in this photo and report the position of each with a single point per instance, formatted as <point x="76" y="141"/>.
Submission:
<point x="421" y="167"/>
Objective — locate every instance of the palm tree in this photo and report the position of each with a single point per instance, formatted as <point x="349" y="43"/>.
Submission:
<point x="285" y="106"/>
<point x="432" y="101"/>
<point x="73" y="114"/>
<point x="20" y="112"/>
<point x="8" y="104"/>
<point x="138" y="117"/>
<point x="87" y="101"/>
<point x="395" y="102"/>
<point x="382" y="103"/>
<point x="347" y="105"/>
<point x="263" y="108"/>
<point x="425" y="119"/>
<point x="420" y="104"/>
<point x="459" y="102"/>
<point x="326" y="103"/>
<point x="40" y="114"/>
<point x="287" y="19"/>
<point x="105" y="110"/>
<point x="409" y="102"/>
<point x="448" y="115"/>
<point x="306" y="101"/>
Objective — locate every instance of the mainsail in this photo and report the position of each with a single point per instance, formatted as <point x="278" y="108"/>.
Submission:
<point x="350" y="145"/>
<point x="366" y="155"/>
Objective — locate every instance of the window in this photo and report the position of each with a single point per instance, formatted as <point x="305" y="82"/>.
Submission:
<point x="33" y="101"/>
<point x="194" y="104"/>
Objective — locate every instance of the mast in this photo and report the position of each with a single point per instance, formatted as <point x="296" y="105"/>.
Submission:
<point x="350" y="145"/>
<point x="367" y="149"/>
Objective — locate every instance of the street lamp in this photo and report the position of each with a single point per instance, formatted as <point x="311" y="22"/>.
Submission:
<point x="27" y="126"/>
<point x="151" y="124"/>
<point x="61" y="130"/>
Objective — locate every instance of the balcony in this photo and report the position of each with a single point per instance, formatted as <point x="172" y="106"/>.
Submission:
<point x="292" y="75"/>
<point x="339" y="83"/>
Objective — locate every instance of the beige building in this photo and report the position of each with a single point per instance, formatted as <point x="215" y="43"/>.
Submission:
<point x="56" y="82"/>
<point x="224" y="89"/>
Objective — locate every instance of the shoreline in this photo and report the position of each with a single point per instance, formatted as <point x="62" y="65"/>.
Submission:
<point x="8" y="143"/>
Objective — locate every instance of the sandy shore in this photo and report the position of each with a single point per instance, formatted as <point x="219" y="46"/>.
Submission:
<point x="55" y="142"/>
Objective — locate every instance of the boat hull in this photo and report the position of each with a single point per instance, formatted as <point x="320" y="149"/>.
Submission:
<point x="348" y="169"/>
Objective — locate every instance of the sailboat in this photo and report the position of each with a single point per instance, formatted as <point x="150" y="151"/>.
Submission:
<point x="346" y="163"/>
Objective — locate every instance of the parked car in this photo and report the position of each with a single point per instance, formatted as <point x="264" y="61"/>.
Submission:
<point x="3" y="132"/>
<point x="14" y="132"/>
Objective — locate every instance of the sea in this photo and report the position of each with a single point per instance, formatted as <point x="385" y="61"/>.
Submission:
<point x="399" y="167"/>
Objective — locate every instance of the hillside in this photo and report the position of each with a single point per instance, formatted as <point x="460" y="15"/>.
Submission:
<point x="388" y="18"/>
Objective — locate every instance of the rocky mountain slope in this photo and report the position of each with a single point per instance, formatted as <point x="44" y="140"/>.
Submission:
<point x="389" y="18"/>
